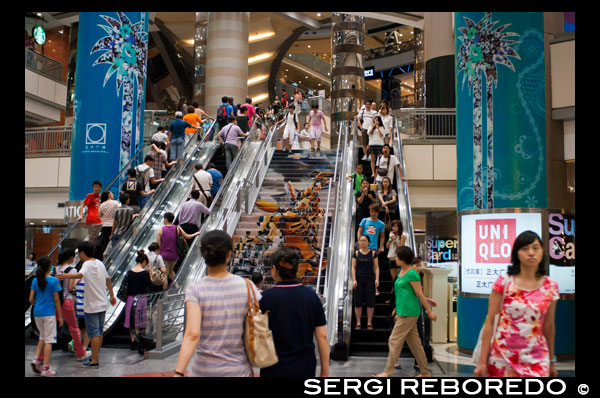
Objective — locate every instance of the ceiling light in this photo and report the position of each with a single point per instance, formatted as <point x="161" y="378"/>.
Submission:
<point x="39" y="14"/>
<point x="260" y="36"/>
<point x="306" y="77"/>
<point x="43" y="220"/>
<point x="61" y="31"/>
<point x="308" y="46"/>
<point x="412" y="32"/>
<point x="257" y="79"/>
<point x="260" y="57"/>
<point x="299" y="81"/>
<point x="259" y="98"/>
<point x="31" y="223"/>
<point x="318" y="14"/>
<point x="189" y="42"/>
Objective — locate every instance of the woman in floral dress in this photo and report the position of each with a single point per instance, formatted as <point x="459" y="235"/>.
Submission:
<point x="524" y="342"/>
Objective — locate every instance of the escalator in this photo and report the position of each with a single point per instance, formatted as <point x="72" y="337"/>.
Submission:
<point x="168" y="197"/>
<point x="236" y="196"/>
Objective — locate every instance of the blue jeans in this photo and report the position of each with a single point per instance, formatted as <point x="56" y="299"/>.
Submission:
<point x="143" y="200"/>
<point x="94" y="323"/>
<point x="177" y="146"/>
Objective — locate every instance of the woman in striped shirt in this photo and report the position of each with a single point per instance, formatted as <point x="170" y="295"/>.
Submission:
<point x="216" y="307"/>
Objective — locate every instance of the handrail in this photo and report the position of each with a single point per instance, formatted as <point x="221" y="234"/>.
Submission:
<point x="404" y="210"/>
<point x="342" y="243"/>
<point x="337" y="156"/>
<point x="223" y="212"/>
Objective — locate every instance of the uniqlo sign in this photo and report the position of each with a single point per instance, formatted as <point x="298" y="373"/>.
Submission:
<point x="494" y="239"/>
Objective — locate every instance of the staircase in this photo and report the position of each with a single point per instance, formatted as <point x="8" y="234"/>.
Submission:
<point x="289" y="212"/>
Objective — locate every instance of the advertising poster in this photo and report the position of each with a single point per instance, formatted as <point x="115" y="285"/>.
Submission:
<point x="486" y="242"/>
<point x="561" y="246"/>
<point x="108" y="107"/>
<point x="500" y="110"/>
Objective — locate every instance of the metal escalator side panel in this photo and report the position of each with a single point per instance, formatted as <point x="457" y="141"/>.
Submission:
<point x="403" y="195"/>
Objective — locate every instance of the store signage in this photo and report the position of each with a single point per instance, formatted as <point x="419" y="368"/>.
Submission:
<point x="72" y="210"/>
<point x="486" y="246"/>
<point x="561" y="249"/>
<point x="442" y="250"/>
<point x="39" y="34"/>
<point x="369" y="71"/>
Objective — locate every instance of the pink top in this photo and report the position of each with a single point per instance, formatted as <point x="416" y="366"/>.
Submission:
<point x="315" y="118"/>
<point x="168" y="243"/>
<point x="250" y="113"/>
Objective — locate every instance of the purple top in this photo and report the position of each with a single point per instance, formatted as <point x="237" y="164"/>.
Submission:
<point x="168" y="243"/>
<point x="230" y="133"/>
<point x="190" y="212"/>
<point x="224" y="306"/>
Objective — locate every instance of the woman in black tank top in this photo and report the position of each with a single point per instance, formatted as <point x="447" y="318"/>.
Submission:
<point x="365" y="274"/>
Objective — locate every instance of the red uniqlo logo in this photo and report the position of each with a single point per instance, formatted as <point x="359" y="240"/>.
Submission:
<point x="494" y="239"/>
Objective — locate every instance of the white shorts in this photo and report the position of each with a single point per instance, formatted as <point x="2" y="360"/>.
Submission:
<point x="289" y="134"/>
<point x="315" y="133"/>
<point x="47" y="328"/>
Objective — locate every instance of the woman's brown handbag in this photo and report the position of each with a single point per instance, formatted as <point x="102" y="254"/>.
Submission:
<point x="258" y="338"/>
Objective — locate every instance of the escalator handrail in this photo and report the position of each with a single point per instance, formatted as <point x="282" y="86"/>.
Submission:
<point x="404" y="204"/>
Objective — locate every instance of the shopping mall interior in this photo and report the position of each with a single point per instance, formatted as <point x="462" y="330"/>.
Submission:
<point x="416" y="63"/>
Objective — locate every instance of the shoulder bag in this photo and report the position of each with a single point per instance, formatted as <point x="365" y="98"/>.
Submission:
<point x="156" y="275"/>
<point x="122" y="293"/>
<point x="182" y="246"/>
<point x="477" y="350"/>
<point x="258" y="338"/>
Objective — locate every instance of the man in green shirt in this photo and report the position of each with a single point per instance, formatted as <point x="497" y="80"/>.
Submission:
<point x="357" y="176"/>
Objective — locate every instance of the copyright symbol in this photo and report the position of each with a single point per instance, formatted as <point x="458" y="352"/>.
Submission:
<point x="583" y="389"/>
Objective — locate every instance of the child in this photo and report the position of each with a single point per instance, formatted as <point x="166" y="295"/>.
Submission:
<point x="305" y="137"/>
<point x="257" y="279"/>
<point x="44" y="296"/>
<point x="92" y="221"/>
<point x="315" y="118"/>
<point x="291" y="126"/>
<point x="357" y="176"/>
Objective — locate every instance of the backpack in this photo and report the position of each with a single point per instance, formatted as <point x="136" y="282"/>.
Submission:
<point x="222" y="115"/>
<point x="141" y="177"/>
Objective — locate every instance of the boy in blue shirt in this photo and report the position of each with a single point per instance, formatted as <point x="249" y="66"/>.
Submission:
<point x="373" y="228"/>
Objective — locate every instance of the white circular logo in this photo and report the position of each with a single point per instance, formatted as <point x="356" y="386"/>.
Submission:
<point x="39" y="34"/>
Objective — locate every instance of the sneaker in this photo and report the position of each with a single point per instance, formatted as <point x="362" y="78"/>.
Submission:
<point x="365" y="157"/>
<point x="312" y="149"/>
<point x="47" y="372"/>
<point x="85" y="356"/>
<point x="36" y="366"/>
<point x="70" y="347"/>
<point x="318" y="149"/>
<point x="90" y="365"/>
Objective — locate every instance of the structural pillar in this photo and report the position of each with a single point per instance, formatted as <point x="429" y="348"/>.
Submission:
<point x="226" y="58"/>
<point x="200" y="48"/>
<point x="439" y="60"/>
<point x="108" y="109"/>
<point x="347" y="70"/>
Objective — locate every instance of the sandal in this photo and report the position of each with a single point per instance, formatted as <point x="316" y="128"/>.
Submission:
<point x="369" y="327"/>
<point x="357" y="327"/>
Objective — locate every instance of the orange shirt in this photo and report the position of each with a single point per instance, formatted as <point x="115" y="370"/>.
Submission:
<point x="192" y="119"/>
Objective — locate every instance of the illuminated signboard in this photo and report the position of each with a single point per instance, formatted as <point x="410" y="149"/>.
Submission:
<point x="561" y="248"/>
<point x="39" y="35"/>
<point x="442" y="252"/>
<point x="485" y="246"/>
<point x="369" y="71"/>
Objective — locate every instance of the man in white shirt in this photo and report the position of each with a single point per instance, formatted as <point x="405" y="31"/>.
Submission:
<point x="365" y="120"/>
<point x="202" y="181"/>
<point x="96" y="279"/>
<point x="160" y="136"/>
<point x="145" y="169"/>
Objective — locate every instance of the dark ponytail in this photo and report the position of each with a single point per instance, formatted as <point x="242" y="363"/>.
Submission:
<point x="214" y="247"/>
<point x="44" y="264"/>
<point x="286" y="261"/>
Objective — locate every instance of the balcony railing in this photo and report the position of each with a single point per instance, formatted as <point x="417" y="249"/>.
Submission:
<point x="427" y="122"/>
<point x="49" y="140"/>
<point x="44" y="65"/>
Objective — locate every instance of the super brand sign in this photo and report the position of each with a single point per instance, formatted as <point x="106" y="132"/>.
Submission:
<point x="494" y="239"/>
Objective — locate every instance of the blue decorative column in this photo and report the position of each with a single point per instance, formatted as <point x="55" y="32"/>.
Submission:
<point x="500" y="143"/>
<point x="110" y="82"/>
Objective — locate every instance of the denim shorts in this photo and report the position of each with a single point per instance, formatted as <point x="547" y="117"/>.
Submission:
<point x="94" y="323"/>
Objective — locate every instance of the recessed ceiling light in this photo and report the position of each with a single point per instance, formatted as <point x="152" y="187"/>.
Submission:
<point x="306" y="77"/>
<point x="299" y="81"/>
<point x="31" y="223"/>
<point x="43" y="220"/>
<point x="308" y="46"/>
<point x="318" y="14"/>
<point x="39" y="14"/>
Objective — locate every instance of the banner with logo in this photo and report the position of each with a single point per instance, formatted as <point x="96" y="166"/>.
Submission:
<point x="486" y="242"/>
<point x="108" y="108"/>
<point x="500" y="110"/>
